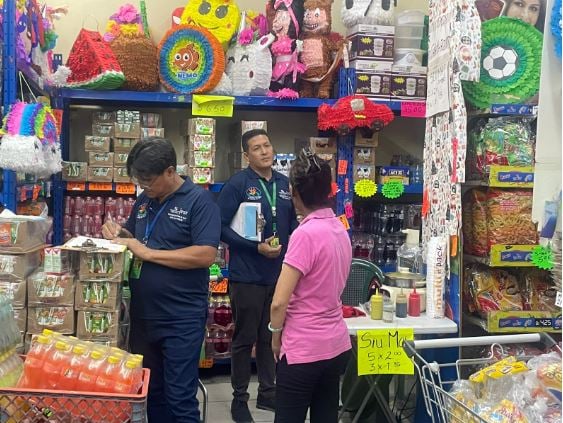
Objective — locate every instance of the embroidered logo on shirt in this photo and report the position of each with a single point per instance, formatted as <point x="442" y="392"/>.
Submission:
<point x="284" y="195"/>
<point x="178" y="214"/>
<point x="142" y="211"/>
<point x="253" y="194"/>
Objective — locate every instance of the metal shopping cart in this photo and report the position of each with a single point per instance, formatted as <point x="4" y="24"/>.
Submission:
<point x="440" y="404"/>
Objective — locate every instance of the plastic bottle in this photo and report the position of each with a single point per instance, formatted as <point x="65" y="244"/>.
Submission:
<point x="409" y="255"/>
<point x="223" y="314"/>
<point x="414" y="303"/>
<point x="89" y="373"/>
<point x="211" y="305"/>
<point x="53" y="364"/>
<point x="108" y="374"/>
<point x="137" y="380"/>
<point x="401" y="304"/>
<point x="33" y="370"/>
<point x="69" y="375"/>
<point x="124" y="377"/>
<point x="376" y="302"/>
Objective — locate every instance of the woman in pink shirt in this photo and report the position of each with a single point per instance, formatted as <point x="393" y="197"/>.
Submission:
<point x="309" y="337"/>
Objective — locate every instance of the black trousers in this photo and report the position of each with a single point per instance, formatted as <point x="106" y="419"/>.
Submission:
<point x="251" y="314"/>
<point x="310" y="385"/>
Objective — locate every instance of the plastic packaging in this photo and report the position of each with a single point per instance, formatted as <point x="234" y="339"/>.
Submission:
<point x="409" y="255"/>
<point x="435" y="277"/>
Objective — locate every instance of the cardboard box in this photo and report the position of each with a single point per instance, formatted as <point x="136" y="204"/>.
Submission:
<point x="247" y="125"/>
<point x="202" y="175"/>
<point x="388" y="30"/>
<point x="120" y="174"/>
<point x="20" y="316"/>
<point x="152" y="133"/>
<point x="99" y="130"/>
<point x="43" y="288"/>
<point x="406" y="86"/>
<point x="102" y="294"/>
<point x="56" y="260"/>
<point x="22" y="234"/>
<point x="127" y="130"/>
<point x="124" y="145"/>
<point x="17" y="267"/>
<point x="331" y="160"/>
<point x="100" y="173"/>
<point x="362" y="141"/>
<point x="394" y="173"/>
<point x="200" y="158"/>
<point x="97" y="324"/>
<point x="201" y="143"/>
<point x="371" y="65"/>
<point x="57" y="318"/>
<point x="374" y="84"/>
<point x="98" y="258"/>
<point x="97" y="143"/>
<point x="364" y="155"/>
<point x="201" y="126"/>
<point x="120" y="159"/>
<point x="371" y="46"/>
<point x="75" y="171"/>
<point x="128" y="116"/>
<point x="103" y="118"/>
<point x="151" y="120"/>
<point x="363" y="171"/>
<point x="16" y="292"/>
<point x="100" y="159"/>
<point x="319" y="145"/>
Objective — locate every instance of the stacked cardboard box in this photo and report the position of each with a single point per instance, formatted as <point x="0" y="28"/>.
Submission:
<point x="323" y="147"/>
<point x="199" y="152"/>
<point x="364" y="157"/>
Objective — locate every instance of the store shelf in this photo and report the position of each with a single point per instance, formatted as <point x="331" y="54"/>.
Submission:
<point x="503" y="255"/>
<point x="517" y="321"/>
<point x="507" y="177"/>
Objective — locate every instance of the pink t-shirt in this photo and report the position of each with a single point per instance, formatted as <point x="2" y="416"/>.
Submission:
<point x="314" y="328"/>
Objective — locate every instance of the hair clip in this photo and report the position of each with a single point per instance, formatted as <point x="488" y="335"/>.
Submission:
<point x="311" y="160"/>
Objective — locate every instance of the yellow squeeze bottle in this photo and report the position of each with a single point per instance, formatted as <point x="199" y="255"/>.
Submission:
<point x="376" y="306"/>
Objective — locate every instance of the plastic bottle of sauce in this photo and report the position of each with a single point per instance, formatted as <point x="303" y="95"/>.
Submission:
<point x="376" y="303"/>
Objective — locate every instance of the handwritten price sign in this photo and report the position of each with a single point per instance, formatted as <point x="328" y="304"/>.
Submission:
<point x="380" y="351"/>
<point x="212" y="105"/>
<point x="416" y="109"/>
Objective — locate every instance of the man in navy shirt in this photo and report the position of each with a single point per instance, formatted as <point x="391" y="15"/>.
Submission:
<point x="173" y="232"/>
<point x="254" y="268"/>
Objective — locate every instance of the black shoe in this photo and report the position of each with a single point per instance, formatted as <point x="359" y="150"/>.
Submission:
<point x="266" y="403"/>
<point x="240" y="412"/>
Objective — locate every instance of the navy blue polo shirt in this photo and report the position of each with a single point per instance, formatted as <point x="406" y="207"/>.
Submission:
<point x="246" y="264"/>
<point x="190" y="217"/>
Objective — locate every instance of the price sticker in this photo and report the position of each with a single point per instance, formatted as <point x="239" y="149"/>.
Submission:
<point x="76" y="186"/>
<point x="127" y="189"/>
<point x="342" y="167"/>
<point x="393" y="189"/>
<point x="365" y="188"/>
<point x="559" y="299"/>
<point x="100" y="186"/>
<point x="380" y="351"/>
<point x="416" y="109"/>
<point x="212" y="105"/>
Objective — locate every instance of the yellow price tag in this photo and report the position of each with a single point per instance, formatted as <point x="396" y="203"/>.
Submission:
<point x="365" y="188"/>
<point x="212" y="105"/>
<point x="380" y="351"/>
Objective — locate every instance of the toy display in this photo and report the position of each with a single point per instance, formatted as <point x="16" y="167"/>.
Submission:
<point x="285" y="19"/>
<point x="380" y="12"/>
<point x="191" y="60"/>
<point x="318" y="49"/>
<point x="30" y="142"/>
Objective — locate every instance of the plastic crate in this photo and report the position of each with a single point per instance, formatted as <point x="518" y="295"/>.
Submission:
<point x="34" y="405"/>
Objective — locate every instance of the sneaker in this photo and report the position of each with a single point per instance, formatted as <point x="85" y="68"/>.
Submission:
<point x="240" y="412"/>
<point x="266" y="403"/>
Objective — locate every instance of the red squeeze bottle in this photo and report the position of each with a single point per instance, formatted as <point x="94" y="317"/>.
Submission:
<point x="414" y="304"/>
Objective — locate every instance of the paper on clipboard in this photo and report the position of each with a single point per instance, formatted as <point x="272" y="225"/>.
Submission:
<point x="247" y="223"/>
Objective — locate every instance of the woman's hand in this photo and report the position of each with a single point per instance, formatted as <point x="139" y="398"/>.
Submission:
<point x="276" y="345"/>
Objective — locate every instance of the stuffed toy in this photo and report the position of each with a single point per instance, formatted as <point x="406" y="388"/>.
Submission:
<point x="318" y="49"/>
<point x="375" y="12"/>
<point x="285" y="20"/>
<point x="220" y="17"/>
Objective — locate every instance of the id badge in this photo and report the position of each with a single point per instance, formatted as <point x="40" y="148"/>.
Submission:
<point x="275" y="242"/>
<point x="136" y="267"/>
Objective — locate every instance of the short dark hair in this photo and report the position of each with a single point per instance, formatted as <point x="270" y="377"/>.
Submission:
<point x="311" y="177"/>
<point x="248" y="135"/>
<point x="151" y="157"/>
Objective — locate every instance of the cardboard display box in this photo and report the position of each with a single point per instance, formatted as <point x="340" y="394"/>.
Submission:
<point x="362" y="141"/>
<point x="17" y="267"/>
<point x="319" y="145"/>
<point x="124" y="145"/>
<point x="371" y="46"/>
<point x="120" y="174"/>
<point x="103" y="118"/>
<point x="363" y="171"/>
<point x="100" y="130"/>
<point x="22" y="234"/>
<point x="56" y="318"/>
<point x="100" y="173"/>
<point x="200" y="158"/>
<point x="97" y="324"/>
<point x="202" y="175"/>
<point x="43" y="288"/>
<point x="104" y="294"/>
<point x="374" y="84"/>
<point x="98" y="258"/>
<point x="201" y="126"/>
<point x="151" y="120"/>
<point x="201" y="143"/>
<point x="127" y="130"/>
<point x="15" y="291"/>
<point x="364" y="155"/>
<point x="152" y="133"/>
<point x="409" y="83"/>
<point x="120" y="159"/>
<point x="100" y="159"/>
<point x="75" y="171"/>
<point x="97" y="144"/>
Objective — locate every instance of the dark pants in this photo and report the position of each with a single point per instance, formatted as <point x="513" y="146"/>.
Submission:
<point x="251" y="314"/>
<point x="171" y="350"/>
<point x="310" y="385"/>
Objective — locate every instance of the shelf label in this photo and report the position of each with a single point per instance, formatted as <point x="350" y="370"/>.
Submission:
<point x="100" y="186"/>
<point x="514" y="109"/>
<point x="523" y="321"/>
<point x="380" y="351"/>
<point x="416" y="109"/>
<point x="212" y="105"/>
<point x="124" y="188"/>
<point x="511" y="255"/>
<point x="76" y="186"/>
<point x="559" y="299"/>
<point x="511" y="176"/>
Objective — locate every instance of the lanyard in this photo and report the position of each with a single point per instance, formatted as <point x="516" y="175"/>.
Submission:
<point x="150" y="225"/>
<point x="272" y="198"/>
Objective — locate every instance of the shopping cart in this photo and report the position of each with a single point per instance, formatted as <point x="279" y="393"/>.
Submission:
<point x="440" y="404"/>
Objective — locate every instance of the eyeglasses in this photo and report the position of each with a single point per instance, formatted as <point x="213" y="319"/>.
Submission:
<point x="144" y="183"/>
<point x="312" y="161"/>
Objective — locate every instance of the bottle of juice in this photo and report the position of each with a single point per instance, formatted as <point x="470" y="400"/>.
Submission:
<point x="69" y="375"/>
<point x="53" y="364"/>
<point x="33" y="369"/>
<point x="89" y="373"/>
<point x="124" y="377"/>
<point x="108" y="374"/>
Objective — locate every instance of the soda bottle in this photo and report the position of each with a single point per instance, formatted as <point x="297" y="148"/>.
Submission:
<point x="79" y="206"/>
<point x="69" y="375"/>
<point x="53" y="364"/>
<point x="211" y="305"/>
<point x="108" y="374"/>
<point x="124" y="377"/>
<point x="137" y="378"/>
<point x="223" y="314"/>
<point x="89" y="373"/>
<point x="33" y="368"/>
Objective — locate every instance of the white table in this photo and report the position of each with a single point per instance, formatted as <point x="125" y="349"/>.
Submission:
<point x="421" y="325"/>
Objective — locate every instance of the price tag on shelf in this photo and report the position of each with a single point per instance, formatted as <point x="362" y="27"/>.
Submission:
<point x="380" y="351"/>
<point x="123" y="188"/>
<point x="342" y="167"/>
<point x="212" y="105"/>
<point x="100" y="186"/>
<point x="76" y="186"/>
<point x="416" y="109"/>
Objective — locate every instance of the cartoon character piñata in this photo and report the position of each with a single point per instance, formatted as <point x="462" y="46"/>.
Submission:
<point x="285" y="20"/>
<point x="375" y="12"/>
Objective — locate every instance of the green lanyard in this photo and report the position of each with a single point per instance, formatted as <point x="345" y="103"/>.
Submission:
<point x="272" y="202"/>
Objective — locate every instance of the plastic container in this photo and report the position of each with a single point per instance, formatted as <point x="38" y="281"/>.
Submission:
<point x="376" y="302"/>
<point x="409" y="31"/>
<point x="409" y="255"/>
<point x="408" y="57"/>
<point x="407" y="42"/>
<point x="33" y="370"/>
<point x="409" y="17"/>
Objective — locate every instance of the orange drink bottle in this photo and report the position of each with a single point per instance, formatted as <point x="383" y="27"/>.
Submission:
<point x="105" y="382"/>
<point x="53" y="364"/>
<point x="69" y="375"/>
<point x="32" y="375"/>
<point x="90" y="371"/>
